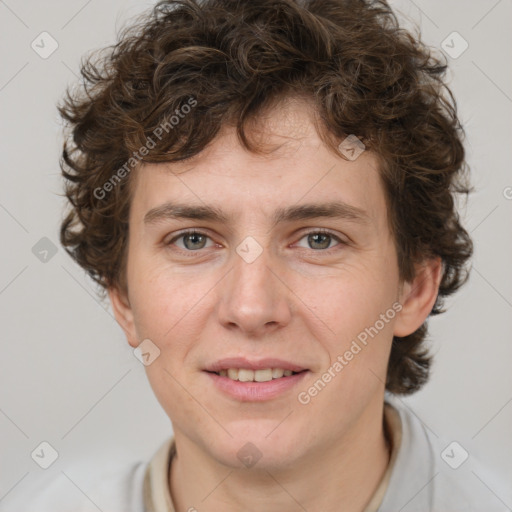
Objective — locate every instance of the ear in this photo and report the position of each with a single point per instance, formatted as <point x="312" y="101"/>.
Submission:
<point x="418" y="297"/>
<point x="124" y="315"/>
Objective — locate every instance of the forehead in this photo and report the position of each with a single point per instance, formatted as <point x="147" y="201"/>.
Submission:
<point x="296" y="168"/>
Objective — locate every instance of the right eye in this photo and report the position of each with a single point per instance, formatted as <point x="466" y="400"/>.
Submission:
<point x="192" y="240"/>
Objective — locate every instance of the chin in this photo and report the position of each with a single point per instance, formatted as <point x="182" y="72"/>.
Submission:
<point x="257" y="450"/>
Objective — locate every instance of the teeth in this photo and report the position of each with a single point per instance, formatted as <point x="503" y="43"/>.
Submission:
<point x="245" y="375"/>
<point x="233" y="373"/>
<point x="263" y="375"/>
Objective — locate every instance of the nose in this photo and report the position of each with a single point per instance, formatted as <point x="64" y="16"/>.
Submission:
<point x="253" y="297"/>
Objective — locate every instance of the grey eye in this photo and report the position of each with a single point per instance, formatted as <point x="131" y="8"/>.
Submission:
<point x="193" y="241"/>
<point x="190" y="241"/>
<point x="318" y="240"/>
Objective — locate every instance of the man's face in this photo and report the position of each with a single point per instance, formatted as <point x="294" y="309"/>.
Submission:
<point x="252" y="288"/>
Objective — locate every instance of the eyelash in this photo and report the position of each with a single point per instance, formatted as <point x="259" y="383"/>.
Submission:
<point x="201" y="233"/>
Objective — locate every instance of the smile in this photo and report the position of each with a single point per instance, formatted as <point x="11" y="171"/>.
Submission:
<point x="245" y="375"/>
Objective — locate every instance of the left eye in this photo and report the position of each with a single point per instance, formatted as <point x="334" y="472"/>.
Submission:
<point x="321" y="239"/>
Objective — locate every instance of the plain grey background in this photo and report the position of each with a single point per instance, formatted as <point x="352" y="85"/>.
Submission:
<point x="67" y="375"/>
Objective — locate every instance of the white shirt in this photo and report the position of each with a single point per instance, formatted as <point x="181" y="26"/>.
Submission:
<point x="425" y="474"/>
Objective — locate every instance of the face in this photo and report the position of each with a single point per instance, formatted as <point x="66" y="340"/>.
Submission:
<point x="278" y="278"/>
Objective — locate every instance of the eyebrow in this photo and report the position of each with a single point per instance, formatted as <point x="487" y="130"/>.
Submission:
<point x="334" y="210"/>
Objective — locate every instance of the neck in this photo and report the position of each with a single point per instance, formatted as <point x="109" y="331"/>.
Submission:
<point x="348" y="471"/>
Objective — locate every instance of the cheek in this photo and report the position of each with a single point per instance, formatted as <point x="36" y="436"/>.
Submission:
<point x="359" y="308"/>
<point x="362" y="318"/>
<point x="163" y="301"/>
<point x="353" y="299"/>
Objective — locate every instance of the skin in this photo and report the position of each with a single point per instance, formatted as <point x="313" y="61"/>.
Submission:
<point x="304" y="299"/>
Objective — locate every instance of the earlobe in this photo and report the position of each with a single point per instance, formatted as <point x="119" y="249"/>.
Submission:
<point x="124" y="314"/>
<point x="418" y="297"/>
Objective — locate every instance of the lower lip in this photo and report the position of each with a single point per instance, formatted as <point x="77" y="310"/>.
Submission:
<point x="256" y="391"/>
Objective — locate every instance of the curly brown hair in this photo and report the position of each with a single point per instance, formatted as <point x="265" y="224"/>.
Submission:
<point x="363" y="73"/>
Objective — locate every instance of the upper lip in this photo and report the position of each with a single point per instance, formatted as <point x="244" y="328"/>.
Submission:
<point x="260" y="364"/>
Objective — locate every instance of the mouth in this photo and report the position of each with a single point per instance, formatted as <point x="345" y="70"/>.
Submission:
<point x="248" y="375"/>
<point x="255" y="381"/>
